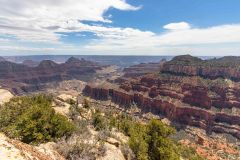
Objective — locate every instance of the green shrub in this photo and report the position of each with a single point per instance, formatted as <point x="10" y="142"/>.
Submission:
<point x="160" y="145"/>
<point x="32" y="120"/>
<point x="71" y="101"/>
<point x="86" y="104"/>
<point x="188" y="153"/>
<point x="100" y="122"/>
<point x="138" y="142"/>
<point x="149" y="141"/>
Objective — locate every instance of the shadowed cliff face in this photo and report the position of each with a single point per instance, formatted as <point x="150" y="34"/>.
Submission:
<point x="210" y="104"/>
<point x="21" y="78"/>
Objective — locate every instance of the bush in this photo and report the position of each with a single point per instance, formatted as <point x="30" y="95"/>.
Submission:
<point x="32" y="120"/>
<point x="100" y="122"/>
<point x="188" y="153"/>
<point x="147" y="141"/>
<point x="138" y="142"/>
<point x="71" y="101"/>
<point x="160" y="145"/>
<point x="86" y="104"/>
<point x="127" y="152"/>
<point x="81" y="146"/>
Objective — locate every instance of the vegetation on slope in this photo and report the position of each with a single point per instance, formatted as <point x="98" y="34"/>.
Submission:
<point x="150" y="141"/>
<point x="32" y="120"/>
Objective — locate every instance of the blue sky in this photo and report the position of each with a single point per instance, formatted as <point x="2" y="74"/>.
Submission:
<point x="157" y="13"/>
<point x="118" y="27"/>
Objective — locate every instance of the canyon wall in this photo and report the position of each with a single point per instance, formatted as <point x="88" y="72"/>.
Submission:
<point x="205" y="119"/>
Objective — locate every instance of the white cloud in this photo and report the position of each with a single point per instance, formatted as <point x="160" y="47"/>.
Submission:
<point x="43" y="21"/>
<point x="177" y="26"/>
<point x="38" y="20"/>
<point x="217" y="40"/>
<point x="211" y="40"/>
<point x="216" y="34"/>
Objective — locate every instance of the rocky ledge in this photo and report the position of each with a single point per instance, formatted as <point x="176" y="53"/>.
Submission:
<point x="13" y="149"/>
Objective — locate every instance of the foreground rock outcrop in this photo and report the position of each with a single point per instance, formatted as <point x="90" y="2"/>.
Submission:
<point x="5" y="96"/>
<point x="13" y="149"/>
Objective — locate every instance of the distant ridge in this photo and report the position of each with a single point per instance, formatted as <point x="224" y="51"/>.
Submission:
<point x="2" y="59"/>
<point x="186" y="65"/>
<point x="30" y="63"/>
<point x="24" y="78"/>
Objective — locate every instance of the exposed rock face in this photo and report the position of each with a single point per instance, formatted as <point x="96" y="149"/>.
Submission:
<point x="211" y="148"/>
<point x="176" y="111"/>
<point x="226" y="67"/>
<point x="12" y="149"/>
<point x="5" y="96"/>
<point x="210" y="104"/>
<point x="21" y="78"/>
<point x="196" y="96"/>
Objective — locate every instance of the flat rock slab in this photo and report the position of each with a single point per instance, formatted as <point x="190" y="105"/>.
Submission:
<point x="5" y="96"/>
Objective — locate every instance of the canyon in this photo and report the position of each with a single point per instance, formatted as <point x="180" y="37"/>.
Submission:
<point x="204" y="107"/>
<point x="27" y="77"/>
<point x="193" y="94"/>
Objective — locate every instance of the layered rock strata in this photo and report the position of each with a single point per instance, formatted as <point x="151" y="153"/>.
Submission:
<point x="173" y="109"/>
<point x="21" y="78"/>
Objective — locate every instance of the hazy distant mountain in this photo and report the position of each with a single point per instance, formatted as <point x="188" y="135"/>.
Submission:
<point x="20" y="77"/>
<point x="2" y="59"/>
<point x="30" y="63"/>
<point x="122" y="61"/>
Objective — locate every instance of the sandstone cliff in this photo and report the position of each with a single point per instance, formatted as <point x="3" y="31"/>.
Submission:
<point x="175" y="110"/>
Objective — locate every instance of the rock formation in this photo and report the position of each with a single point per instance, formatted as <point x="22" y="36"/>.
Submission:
<point x="182" y="94"/>
<point x="20" y="78"/>
<point x="5" y="96"/>
<point x="226" y="67"/>
<point x="13" y="149"/>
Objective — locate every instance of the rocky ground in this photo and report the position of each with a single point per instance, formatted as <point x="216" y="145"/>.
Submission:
<point x="11" y="149"/>
<point x="209" y="147"/>
<point x="5" y="96"/>
<point x="15" y="150"/>
<point x="214" y="147"/>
